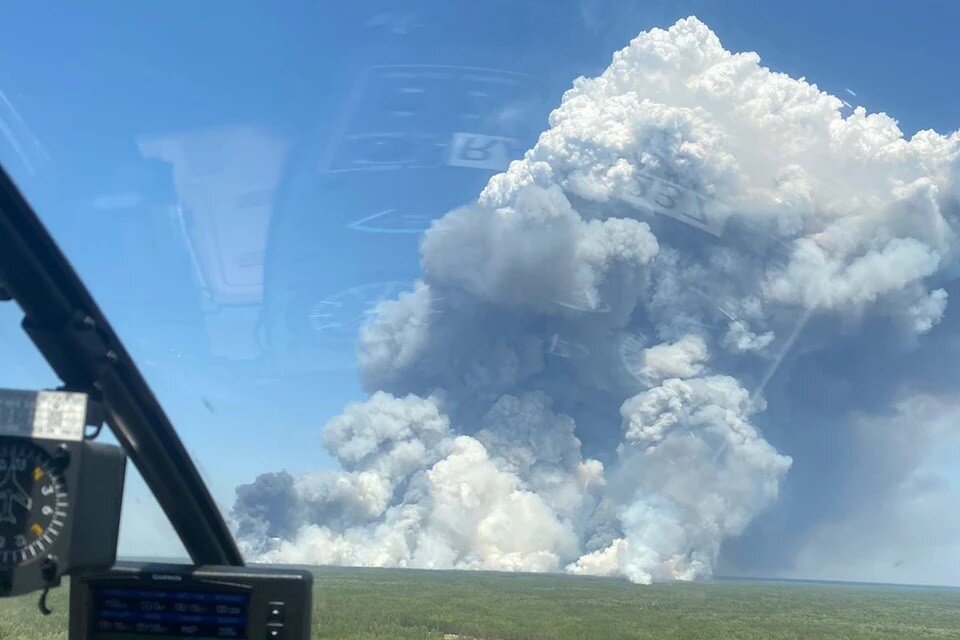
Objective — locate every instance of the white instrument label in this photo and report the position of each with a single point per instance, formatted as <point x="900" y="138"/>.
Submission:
<point x="53" y="415"/>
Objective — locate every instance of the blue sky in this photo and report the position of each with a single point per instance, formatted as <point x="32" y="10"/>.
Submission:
<point x="227" y="182"/>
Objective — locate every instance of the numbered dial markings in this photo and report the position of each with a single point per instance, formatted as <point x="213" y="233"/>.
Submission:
<point x="33" y="503"/>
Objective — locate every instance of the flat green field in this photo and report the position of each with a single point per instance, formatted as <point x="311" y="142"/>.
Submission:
<point x="388" y="603"/>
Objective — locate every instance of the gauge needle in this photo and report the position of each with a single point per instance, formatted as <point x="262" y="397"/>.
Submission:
<point x="11" y="492"/>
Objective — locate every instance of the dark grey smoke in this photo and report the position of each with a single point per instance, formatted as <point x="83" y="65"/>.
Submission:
<point x="689" y="327"/>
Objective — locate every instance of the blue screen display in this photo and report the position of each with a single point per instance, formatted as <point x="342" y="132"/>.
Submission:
<point x="125" y="612"/>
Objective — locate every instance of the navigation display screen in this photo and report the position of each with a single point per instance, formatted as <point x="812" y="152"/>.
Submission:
<point x="132" y="613"/>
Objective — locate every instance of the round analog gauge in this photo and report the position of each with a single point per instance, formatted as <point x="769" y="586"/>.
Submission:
<point x="33" y="503"/>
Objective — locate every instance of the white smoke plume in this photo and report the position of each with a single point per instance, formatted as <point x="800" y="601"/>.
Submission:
<point x="574" y="384"/>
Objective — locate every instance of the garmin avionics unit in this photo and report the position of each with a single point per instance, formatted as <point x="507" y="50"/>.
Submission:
<point x="150" y="601"/>
<point x="60" y="494"/>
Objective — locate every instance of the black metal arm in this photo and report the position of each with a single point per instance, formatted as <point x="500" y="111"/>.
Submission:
<point x="70" y="331"/>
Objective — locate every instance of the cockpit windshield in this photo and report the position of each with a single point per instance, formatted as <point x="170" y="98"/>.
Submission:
<point x="572" y="288"/>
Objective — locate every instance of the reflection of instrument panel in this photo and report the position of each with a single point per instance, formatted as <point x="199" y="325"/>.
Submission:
<point x="411" y="143"/>
<point x="338" y="317"/>
<point x="33" y="503"/>
<point x="138" y="601"/>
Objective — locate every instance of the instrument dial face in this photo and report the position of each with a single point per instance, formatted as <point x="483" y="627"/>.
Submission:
<point x="33" y="503"/>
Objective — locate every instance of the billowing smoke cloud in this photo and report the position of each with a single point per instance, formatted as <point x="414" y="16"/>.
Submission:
<point x="575" y="383"/>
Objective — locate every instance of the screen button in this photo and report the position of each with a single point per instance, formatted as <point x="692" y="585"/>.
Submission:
<point x="275" y="612"/>
<point x="274" y="632"/>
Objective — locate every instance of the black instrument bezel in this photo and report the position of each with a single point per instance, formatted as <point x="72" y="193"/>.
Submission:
<point x="24" y="578"/>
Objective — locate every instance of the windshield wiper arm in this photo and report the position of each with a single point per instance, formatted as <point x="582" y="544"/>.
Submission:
<point x="71" y="332"/>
